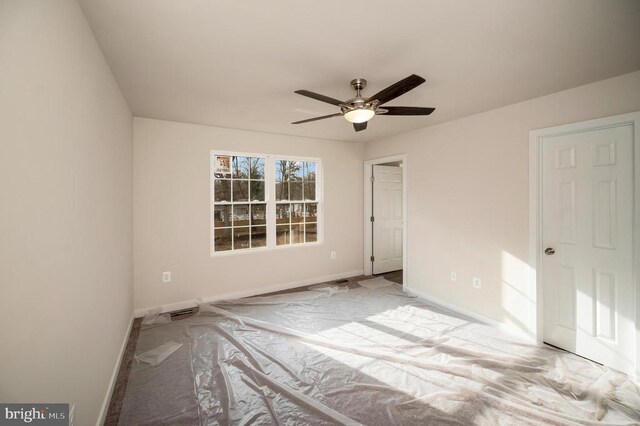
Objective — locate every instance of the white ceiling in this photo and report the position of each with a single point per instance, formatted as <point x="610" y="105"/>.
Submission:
<point x="236" y="63"/>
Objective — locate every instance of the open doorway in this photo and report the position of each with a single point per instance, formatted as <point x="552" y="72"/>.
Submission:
<point x="385" y="218"/>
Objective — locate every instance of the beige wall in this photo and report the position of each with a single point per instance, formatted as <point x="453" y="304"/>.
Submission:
<point x="65" y="211"/>
<point x="172" y="214"/>
<point x="468" y="195"/>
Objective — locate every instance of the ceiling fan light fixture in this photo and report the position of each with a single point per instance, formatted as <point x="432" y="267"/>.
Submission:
<point x="359" y="115"/>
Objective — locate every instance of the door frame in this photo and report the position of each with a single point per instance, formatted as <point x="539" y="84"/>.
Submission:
<point x="368" y="212"/>
<point x="535" y="286"/>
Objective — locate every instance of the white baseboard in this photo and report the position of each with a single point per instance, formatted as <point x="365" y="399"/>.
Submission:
<point x="248" y="293"/>
<point x="114" y="375"/>
<point x="506" y="327"/>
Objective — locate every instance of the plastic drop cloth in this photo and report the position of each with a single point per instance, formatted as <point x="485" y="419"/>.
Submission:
<point x="369" y="355"/>
<point x="155" y="356"/>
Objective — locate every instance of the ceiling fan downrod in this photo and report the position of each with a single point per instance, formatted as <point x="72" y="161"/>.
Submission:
<point x="358" y="84"/>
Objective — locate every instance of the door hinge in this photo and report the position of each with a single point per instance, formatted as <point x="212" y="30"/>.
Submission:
<point x="372" y="178"/>
<point x="373" y="219"/>
<point x="373" y="258"/>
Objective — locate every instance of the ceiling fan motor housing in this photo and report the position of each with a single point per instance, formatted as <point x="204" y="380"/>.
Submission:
<point x="358" y="102"/>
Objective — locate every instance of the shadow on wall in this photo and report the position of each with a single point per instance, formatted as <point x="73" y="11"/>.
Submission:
<point x="518" y="295"/>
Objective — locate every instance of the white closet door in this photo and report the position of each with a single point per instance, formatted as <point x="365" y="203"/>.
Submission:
<point x="587" y="224"/>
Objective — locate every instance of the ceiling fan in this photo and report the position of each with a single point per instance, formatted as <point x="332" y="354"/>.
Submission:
<point x="360" y="110"/>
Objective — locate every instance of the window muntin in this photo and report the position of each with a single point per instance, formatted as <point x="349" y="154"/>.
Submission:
<point x="239" y="202"/>
<point x="246" y="217"/>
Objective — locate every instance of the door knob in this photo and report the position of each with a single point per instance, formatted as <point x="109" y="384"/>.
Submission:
<point x="549" y="251"/>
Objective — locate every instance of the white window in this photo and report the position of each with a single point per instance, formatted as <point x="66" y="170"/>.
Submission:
<point x="261" y="202"/>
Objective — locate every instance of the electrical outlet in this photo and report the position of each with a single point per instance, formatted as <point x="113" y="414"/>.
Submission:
<point x="333" y="255"/>
<point x="166" y="277"/>
<point x="454" y="277"/>
<point x="477" y="282"/>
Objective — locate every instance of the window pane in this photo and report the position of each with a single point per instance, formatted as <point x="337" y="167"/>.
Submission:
<point x="311" y="232"/>
<point x="258" y="236"/>
<point x="295" y="191"/>
<point x="222" y="216"/>
<point x="282" y="213"/>
<point x="282" y="234"/>
<point x="222" y="239"/>
<point x="240" y="238"/>
<point x="241" y="215"/>
<point x="297" y="233"/>
<point x="309" y="171"/>
<point x="282" y="170"/>
<point x="256" y="168"/>
<point x="295" y="170"/>
<point x="257" y="190"/>
<point x="258" y="214"/>
<point x="311" y="212"/>
<point x="222" y="166"/>
<point x="297" y="213"/>
<point x="222" y="190"/>
<point x="282" y="191"/>
<point x="240" y="190"/>
<point x="240" y="167"/>
<point x="310" y="191"/>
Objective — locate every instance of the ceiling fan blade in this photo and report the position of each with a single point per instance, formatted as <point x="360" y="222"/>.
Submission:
<point x="359" y="126"/>
<point x="397" y="89"/>
<point x="337" y="114"/>
<point x="319" y="97"/>
<point x="402" y="110"/>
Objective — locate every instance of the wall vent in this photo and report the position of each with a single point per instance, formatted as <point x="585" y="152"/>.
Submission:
<point x="185" y="313"/>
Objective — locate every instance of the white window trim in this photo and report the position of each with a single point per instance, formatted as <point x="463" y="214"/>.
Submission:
<point x="270" y="180"/>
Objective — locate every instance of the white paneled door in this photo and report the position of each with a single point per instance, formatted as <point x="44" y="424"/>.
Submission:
<point x="387" y="219"/>
<point x="587" y="259"/>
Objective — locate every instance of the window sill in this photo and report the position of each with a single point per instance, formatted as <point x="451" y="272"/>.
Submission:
<point x="263" y="249"/>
